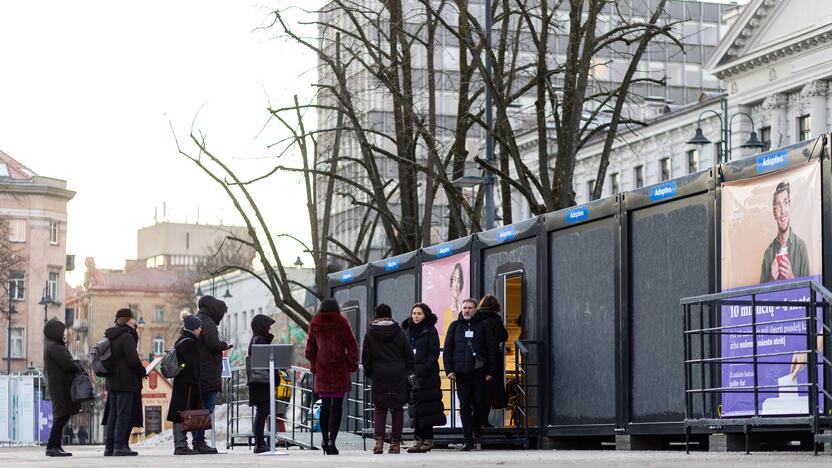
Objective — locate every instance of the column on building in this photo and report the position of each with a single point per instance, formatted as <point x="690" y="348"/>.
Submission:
<point x="815" y="93"/>
<point x="775" y="106"/>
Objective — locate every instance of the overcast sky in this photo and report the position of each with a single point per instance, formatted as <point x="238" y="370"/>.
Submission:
<point x="87" y="91"/>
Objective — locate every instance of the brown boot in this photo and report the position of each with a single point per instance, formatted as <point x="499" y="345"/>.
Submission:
<point x="395" y="446"/>
<point x="379" y="448"/>
<point x="417" y="447"/>
<point x="427" y="444"/>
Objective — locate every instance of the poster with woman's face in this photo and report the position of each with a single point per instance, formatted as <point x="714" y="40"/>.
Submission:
<point x="445" y="283"/>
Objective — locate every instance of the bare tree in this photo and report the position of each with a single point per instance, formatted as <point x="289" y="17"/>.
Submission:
<point x="223" y="253"/>
<point x="12" y="262"/>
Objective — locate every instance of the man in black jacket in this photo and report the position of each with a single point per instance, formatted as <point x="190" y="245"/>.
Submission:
<point x="471" y="361"/>
<point x="210" y="347"/>
<point x="123" y="381"/>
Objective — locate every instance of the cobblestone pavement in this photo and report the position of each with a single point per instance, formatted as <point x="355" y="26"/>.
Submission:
<point x="161" y="457"/>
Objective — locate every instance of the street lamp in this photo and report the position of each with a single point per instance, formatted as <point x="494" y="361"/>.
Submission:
<point x="700" y="139"/>
<point x="46" y="300"/>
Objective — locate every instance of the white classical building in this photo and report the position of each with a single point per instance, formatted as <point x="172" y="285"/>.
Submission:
<point x="774" y="62"/>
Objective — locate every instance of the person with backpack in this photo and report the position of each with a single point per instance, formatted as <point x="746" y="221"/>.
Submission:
<point x="470" y="357"/>
<point x="426" y="409"/>
<point x="60" y="370"/>
<point x="185" y="393"/>
<point x="388" y="363"/>
<point x="258" y="391"/>
<point x="332" y="352"/>
<point x="210" y="347"/>
<point x="123" y="382"/>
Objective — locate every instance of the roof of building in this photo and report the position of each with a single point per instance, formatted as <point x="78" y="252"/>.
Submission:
<point x="11" y="168"/>
<point x="145" y="280"/>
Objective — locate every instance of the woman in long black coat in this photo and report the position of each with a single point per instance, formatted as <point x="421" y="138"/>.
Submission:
<point x="489" y="308"/>
<point x="388" y="363"/>
<point x="186" y="381"/>
<point x="426" y="409"/>
<point x="258" y="392"/>
<point x="60" y="370"/>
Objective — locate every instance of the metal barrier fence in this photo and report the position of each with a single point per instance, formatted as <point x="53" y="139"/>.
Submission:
<point x="705" y="358"/>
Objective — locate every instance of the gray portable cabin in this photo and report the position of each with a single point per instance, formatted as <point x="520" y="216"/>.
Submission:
<point x="581" y="278"/>
<point x="395" y="282"/>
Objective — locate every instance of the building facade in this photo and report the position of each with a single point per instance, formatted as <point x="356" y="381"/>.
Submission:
<point x="774" y="62"/>
<point x="34" y="209"/>
<point x="700" y="31"/>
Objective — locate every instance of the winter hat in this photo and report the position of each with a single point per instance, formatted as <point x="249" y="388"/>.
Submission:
<point x="383" y="311"/>
<point x="330" y="305"/>
<point x="124" y="313"/>
<point x="191" y="322"/>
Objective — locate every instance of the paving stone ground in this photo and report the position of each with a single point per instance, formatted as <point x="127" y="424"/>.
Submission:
<point x="161" y="457"/>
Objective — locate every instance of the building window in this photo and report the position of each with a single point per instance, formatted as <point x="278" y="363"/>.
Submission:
<point x="160" y="314"/>
<point x="17" y="285"/>
<point x="765" y="136"/>
<point x="693" y="161"/>
<point x="804" y="127"/>
<point x="17" y="338"/>
<point x="615" y="183"/>
<point x="52" y="285"/>
<point x="664" y="168"/>
<point x="638" y="176"/>
<point x="17" y="230"/>
<point x="54" y="230"/>
<point x="589" y="187"/>
<point x="158" y="346"/>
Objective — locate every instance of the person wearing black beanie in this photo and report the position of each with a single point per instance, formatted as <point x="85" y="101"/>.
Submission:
<point x="186" y="381"/>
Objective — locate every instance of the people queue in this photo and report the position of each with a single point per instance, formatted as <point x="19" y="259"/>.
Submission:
<point x="401" y="361"/>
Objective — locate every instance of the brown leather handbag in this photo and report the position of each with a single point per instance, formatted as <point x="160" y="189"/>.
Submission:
<point x="195" y="419"/>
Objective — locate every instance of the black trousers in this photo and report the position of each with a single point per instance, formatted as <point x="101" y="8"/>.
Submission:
<point x="473" y="403"/>
<point x="423" y="431"/>
<point x="118" y="419"/>
<point x="331" y="409"/>
<point x="260" y="415"/>
<point x="57" y="431"/>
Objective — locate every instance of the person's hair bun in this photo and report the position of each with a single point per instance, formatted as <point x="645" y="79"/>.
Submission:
<point x="184" y="314"/>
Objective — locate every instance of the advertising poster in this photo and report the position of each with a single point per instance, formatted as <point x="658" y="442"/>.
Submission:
<point x="26" y="410"/>
<point x="771" y="232"/>
<point x="4" y="409"/>
<point x="445" y="284"/>
<point x="44" y="420"/>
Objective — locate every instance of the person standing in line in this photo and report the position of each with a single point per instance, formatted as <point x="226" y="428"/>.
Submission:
<point x="60" y="370"/>
<point x="186" y="394"/>
<point x="426" y="409"/>
<point x="83" y="435"/>
<point x="123" y="382"/>
<point x="490" y="310"/>
<point x="332" y="352"/>
<point x="258" y="392"/>
<point x="388" y="362"/>
<point x="210" y="348"/>
<point x="470" y="360"/>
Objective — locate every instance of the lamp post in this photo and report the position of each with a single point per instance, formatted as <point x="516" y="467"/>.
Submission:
<point x="726" y="124"/>
<point x="46" y="301"/>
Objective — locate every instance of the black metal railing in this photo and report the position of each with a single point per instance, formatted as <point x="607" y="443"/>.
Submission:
<point x="526" y="385"/>
<point x="705" y="356"/>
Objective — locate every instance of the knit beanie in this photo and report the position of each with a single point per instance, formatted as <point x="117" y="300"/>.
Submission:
<point x="330" y="305"/>
<point x="383" y="311"/>
<point x="191" y="322"/>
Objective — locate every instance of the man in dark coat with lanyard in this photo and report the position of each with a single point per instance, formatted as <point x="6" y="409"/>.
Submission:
<point x="60" y="370"/>
<point x="210" y="347"/>
<point x="470" y="358"/>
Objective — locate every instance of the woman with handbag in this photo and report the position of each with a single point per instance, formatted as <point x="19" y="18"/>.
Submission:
<point x="333" y="354"/>
<point x="426" y="409"/>
<point x="258" y="381"/>
<point x="60" y="371"/>
<point x="186" y="394"/>
<point x="388" y="363"/>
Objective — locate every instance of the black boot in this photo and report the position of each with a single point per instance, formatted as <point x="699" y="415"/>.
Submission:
<point x="55" y="452"/>
<point x="204" y="449"/>
<point x="331" y="449"/>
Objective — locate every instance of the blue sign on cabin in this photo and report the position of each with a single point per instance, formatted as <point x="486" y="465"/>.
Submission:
<point x="577" y="214"/>
<point x="391" y="264"/>
<point x="444" y="251"/>
<point x="663" y="191"/>
<point x="773" y="161"/>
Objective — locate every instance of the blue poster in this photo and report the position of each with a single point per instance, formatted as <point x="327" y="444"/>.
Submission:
<point x="44" y="420"/>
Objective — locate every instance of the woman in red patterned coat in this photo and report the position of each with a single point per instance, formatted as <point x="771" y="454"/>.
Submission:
<point x="333" y="354"/>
